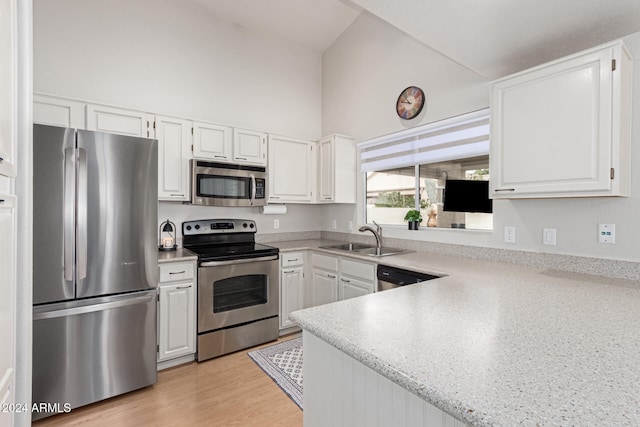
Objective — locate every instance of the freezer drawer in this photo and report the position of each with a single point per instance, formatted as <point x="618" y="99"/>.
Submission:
<point x="89" y="350"/>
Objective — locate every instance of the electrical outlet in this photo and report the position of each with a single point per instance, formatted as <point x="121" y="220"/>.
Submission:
<point x="607" y="233"/>
<point x="276" y="224"/>
<point x="350" y="226"/>
<point x="334" y="224"/>
<point x="510" y="234"/>
<point x="549" y="236"/>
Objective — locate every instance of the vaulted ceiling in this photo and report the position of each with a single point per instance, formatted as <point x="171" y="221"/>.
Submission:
<point x="491" y="37"/>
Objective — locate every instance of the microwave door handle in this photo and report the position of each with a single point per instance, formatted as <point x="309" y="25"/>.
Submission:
<point x="253" y="189"/>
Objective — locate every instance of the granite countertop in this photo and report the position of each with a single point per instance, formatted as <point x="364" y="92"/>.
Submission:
<point x="180" y="254"/>
<point x="495" y="343"/>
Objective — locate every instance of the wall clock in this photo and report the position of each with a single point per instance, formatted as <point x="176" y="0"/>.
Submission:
<point x="410" y="103"/>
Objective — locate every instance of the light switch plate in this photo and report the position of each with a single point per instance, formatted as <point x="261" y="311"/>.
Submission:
<point x="276" y="224"/>
<point x="607" y="233"/>
<point x="549" y="236"/>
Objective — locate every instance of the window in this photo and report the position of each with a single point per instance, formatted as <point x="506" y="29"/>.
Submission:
<point x="410" y="170"/>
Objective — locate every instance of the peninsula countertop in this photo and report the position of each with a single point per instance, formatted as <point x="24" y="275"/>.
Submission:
<point x="495" y="343"/>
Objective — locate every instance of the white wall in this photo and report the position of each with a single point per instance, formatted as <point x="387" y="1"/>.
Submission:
<point x="363" y="73"/>
<point x="175" y="57"/>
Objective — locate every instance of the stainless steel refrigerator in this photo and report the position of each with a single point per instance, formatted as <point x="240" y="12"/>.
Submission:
<point x="95" y="266"/>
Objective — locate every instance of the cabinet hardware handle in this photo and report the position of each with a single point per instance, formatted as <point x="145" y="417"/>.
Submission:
<point x="274" y="197"/>
<point x="177" y="195"/>
<point x="1" y="200"/>
<point x="292" y="260"/>
<point x="183" y="287"/>
<point x="327" y="198"/>
<point x="331" y="276"/>
<point x="241" y="158"/>
<point x="346" y="281"/>
<point x="290" y="271"/>
<point x="1" y="159"/>
<point x="178" y="272"/>
<point x="504" y="189"/>
<point x="220" y="157"/>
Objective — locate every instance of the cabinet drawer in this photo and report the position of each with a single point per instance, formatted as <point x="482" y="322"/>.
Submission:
<point x="291" y="259"/>
<point x="324" y="261"/>
<point x="172" y="272"/>
<point x="362" y="270"/>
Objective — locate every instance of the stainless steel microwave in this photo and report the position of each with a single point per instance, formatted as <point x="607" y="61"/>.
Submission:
<point x="221" y="184"/>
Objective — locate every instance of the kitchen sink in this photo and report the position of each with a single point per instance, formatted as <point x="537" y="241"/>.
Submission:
<point x="365" y="249"/>
<point x="383" y="251"/>
<point x="349" y="247"/>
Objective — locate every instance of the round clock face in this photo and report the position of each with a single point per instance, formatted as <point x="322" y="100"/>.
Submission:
<point x="410" y="102"/>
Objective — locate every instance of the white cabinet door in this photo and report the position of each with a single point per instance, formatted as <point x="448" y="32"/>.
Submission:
<point x="7" y="299"/>
<point x="8" y="85"/>
<point x="291" y="294"/>
<point x="325" y="170"/>
<point x="174" y="141"/>
<point x="350" y="288"/>
<point x="291" y="169"/>
<point x="54" y="111"/>
<point x="212" y="142"/>
<point x="176" y="331"/>
<point x="118" y="120"/>
<point x="249" y="147"/>
<point x="562" y="129"/>
<point x="324" y="287"/>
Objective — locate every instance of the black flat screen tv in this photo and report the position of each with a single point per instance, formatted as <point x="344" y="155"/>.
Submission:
<point x="467" y="196"/>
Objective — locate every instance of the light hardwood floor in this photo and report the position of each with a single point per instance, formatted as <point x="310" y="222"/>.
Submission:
<point x="228" y="391"/>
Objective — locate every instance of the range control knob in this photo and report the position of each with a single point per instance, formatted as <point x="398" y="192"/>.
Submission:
<point x="251" y="225"/>
<point x="197" y="227"/>
<point x="188" y="227"/>
<point x="244" y="225"/>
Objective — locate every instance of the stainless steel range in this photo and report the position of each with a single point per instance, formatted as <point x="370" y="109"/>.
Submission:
<point x="238" y="285"/>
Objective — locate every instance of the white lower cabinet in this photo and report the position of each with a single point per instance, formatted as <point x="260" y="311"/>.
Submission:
<point x="357" y="278"/>
<point x="339" y="278"/>
<point x="176" y="313"/>
<point x="291" y="286"/>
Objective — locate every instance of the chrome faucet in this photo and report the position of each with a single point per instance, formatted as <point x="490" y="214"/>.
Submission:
<point x="377" y="233"/>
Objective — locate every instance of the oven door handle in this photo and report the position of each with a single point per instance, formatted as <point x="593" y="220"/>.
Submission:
<point x="238" y="261"/>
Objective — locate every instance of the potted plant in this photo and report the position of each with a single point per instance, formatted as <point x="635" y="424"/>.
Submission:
<point x="414" y="218"/>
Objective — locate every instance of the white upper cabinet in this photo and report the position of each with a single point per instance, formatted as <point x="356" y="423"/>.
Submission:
<point x="563" y="129"/>
<point x="174" y="142"/>
<point x="291" y="169"/>
<point x="249" y="147"/>
<point x="212" y="142"/>
<point x="118" y="120"/>
<point x="54" y="111"/>
<point x="336" y="170"/>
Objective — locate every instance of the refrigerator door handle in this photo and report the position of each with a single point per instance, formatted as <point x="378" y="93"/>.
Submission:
<point x="82" y="214"/>
<point x="92" y="308"/>
<point x="69" y="211"/>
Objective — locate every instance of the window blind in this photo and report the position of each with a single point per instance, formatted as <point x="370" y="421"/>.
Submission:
<point x="458" y="137"/>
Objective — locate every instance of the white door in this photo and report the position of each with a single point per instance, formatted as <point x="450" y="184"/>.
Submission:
<point x="176" y="329"/>
<point x="54" y="111"/>
<point x="352" y="288"/>
<point x="174" y="141"/>
<point x="119" y="120"/>
<point x="291" y="294"/>
<point x="249" y="146"/>
<point x="552" y="128"/>
<point x="325" y="287"/>
<point x="212" y="142"/>
<point x="291" y="169"/>
<point x="326" y="170"/>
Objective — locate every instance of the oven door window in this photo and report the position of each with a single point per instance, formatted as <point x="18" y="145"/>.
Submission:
<point x="239" y="292"/>
<point x="224" y="187"/>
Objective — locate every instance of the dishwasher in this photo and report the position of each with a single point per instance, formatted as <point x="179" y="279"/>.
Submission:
<point x="392" y="277"/>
